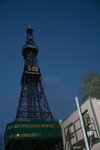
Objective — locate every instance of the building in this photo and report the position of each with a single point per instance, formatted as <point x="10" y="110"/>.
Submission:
<point x="72" y="131"/>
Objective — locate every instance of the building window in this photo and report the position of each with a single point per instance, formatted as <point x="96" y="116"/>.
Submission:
<point x="86" y="118"/>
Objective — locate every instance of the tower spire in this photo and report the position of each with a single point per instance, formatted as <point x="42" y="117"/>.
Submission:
<point x="30" y="44"/>
<point x="29" y="32"/>
<point x="29" y="26"/>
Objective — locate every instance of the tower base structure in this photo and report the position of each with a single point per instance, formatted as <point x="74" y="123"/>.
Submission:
<point x="33" y="135"/>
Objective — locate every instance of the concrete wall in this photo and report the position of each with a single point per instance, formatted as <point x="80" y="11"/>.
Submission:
<point x="96" y="146"/>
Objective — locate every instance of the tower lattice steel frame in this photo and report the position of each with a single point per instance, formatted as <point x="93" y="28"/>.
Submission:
<point x="32" y="102"/>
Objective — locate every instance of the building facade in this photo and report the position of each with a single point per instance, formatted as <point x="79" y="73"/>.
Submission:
<point x="73" y="138"/>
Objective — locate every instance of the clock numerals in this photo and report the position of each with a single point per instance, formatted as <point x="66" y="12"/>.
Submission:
<point x="29" y="68"/>
<point x="33" y="68"/>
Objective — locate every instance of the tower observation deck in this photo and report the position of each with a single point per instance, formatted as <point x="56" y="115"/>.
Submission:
<point x="34" y="127"/>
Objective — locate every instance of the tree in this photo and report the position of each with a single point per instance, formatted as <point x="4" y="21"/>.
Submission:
<point x="91" y="86"/>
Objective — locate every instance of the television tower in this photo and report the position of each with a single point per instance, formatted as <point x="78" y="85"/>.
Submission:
<point x="34" y="127"/>
<point x="32" y="102"/>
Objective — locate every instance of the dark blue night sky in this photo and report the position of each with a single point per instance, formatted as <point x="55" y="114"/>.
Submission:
<point x="67" y="33"/>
